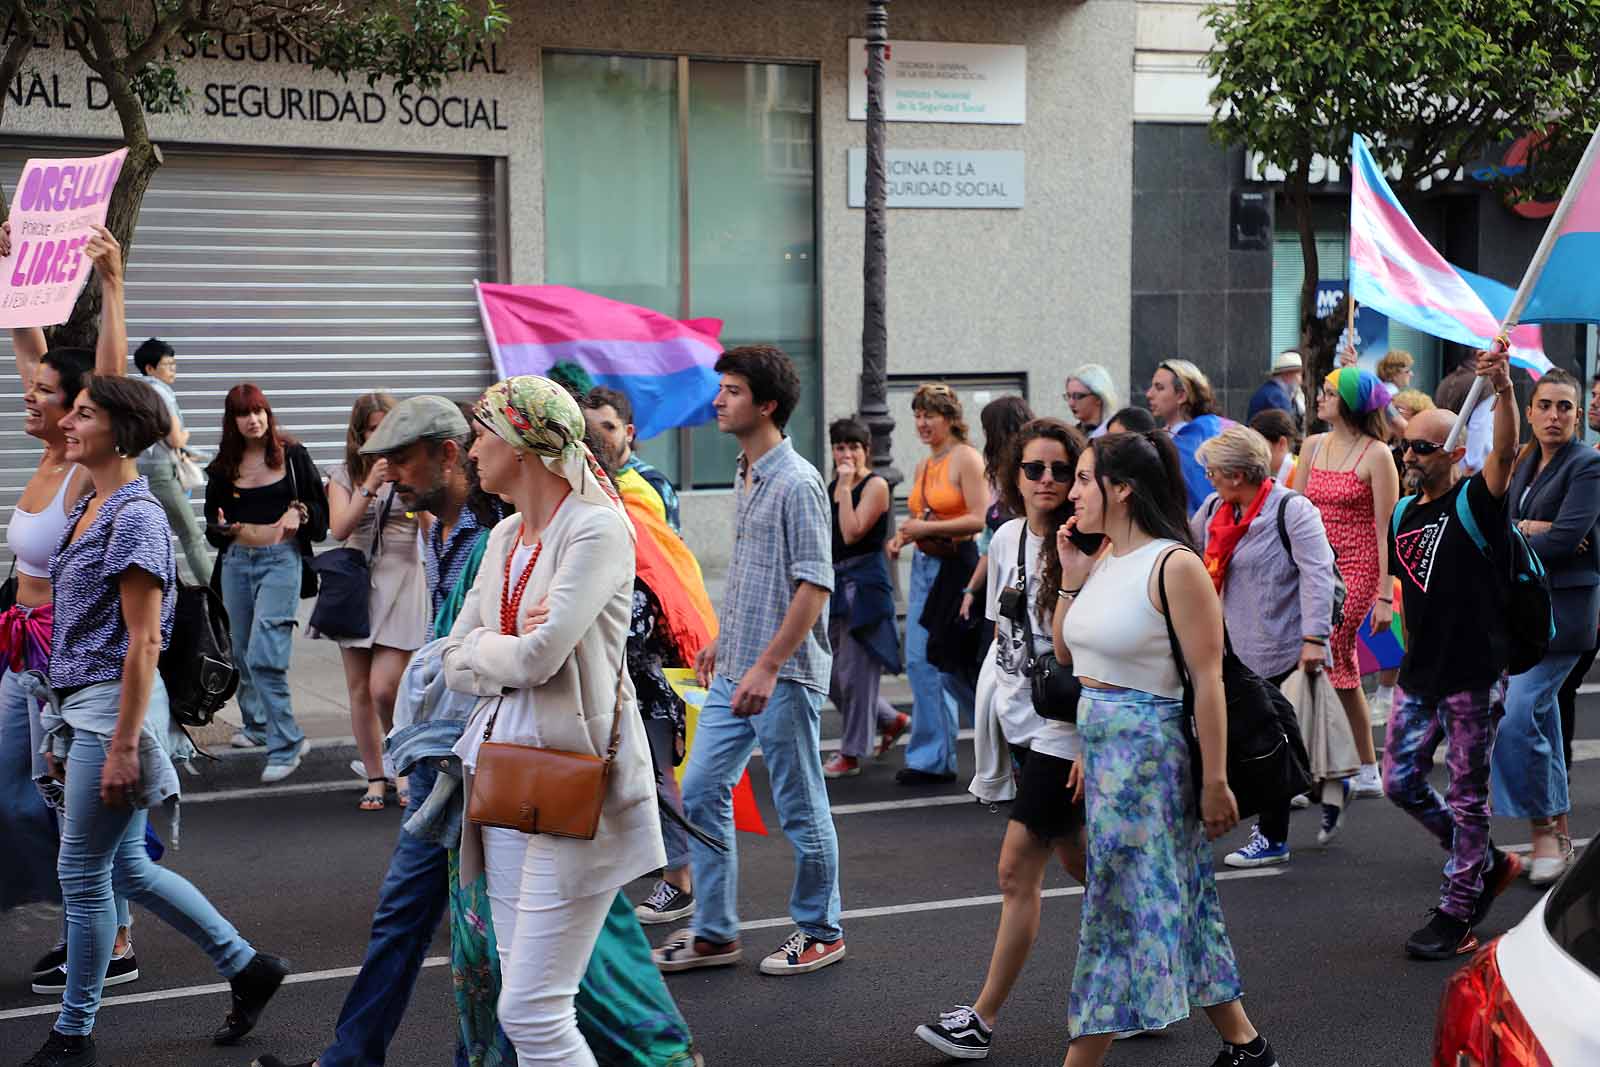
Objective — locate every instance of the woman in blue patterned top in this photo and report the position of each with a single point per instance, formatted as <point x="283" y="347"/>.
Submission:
<point x="109" y="733"/>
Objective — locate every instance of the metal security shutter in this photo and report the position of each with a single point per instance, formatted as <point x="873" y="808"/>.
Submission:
<point x="316" y="276"/>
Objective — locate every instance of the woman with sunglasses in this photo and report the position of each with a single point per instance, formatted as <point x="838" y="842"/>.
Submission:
<point x="1152" y="944"/>
<point x="1355" y="486"/>
<point x="1035" y="480"/>
<point x="1555" y="502"/>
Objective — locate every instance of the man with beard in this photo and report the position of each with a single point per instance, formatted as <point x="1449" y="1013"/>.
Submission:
<point x="1452" y="681"/>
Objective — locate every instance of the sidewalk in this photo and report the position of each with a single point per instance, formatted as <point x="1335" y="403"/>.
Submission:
<point x="322" y="708"/>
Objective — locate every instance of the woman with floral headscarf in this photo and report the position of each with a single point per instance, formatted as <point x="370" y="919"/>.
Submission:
<point x="1355" y="486"/>
<point x="544" y="632"/>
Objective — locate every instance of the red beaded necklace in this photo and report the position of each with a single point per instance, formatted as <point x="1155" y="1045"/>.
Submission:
<point x="511" y="599"/>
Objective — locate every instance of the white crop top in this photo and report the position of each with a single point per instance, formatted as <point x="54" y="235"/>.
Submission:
<point x="33" y="536"/>
<point x="1115" y="634"/>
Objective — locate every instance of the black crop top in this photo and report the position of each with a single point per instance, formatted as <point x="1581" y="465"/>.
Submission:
<point x="262" y="505"/>
<point x="874" y="538"/>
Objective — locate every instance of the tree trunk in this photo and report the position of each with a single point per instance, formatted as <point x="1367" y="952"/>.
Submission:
<point x="1317" y="363"/>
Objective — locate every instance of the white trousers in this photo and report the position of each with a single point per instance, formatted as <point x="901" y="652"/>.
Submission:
<point x="545" y="941"/>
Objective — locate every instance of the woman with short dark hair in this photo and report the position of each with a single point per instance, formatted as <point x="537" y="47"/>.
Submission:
<point x="109" y="734"/>
<point x="266" y="505"/>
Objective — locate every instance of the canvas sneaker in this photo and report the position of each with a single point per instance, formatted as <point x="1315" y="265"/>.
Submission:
<point x="240" y="739"/>
<point x="1333" y="817"/>
<point x="959" y="1034"/>
<point x="665" y="903"/>
<point x="888" y="737"/>
<point x="802" y="954"/>
<point x="1258" y="852"/>
<point x="121" y="970"/>
<point x="1256" y="1054"/>
<point x="841" y="766"/>
<point x="62" y="1051"/>
<point x="1368" y="783"/>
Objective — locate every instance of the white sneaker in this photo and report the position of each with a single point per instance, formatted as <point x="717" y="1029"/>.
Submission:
<point x="240" y="739"/>
<point x="277" y="772"/>
<point x="1379" y="708"/>
<point x="1367" y="783"/>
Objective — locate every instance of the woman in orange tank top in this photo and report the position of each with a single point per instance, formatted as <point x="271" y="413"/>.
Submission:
<point x="948" y="498"/>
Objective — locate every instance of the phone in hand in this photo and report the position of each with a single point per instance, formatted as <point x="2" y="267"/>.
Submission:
<point x="1087" y="543"/>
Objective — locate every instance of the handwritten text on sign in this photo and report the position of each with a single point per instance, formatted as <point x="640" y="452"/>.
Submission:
<point x="56" y="205"/>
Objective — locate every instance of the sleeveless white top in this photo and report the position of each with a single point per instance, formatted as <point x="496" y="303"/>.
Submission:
<point x="33" y="536"/>
<point x="1116" y="636"/>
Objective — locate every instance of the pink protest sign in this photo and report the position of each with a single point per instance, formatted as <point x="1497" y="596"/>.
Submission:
<point x="54" y="209"/>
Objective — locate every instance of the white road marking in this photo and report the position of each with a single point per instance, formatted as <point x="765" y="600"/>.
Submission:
<point x="940" y="801"/>
<point x="186" y="992"/>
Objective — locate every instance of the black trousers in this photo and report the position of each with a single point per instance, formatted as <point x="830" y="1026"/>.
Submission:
<point x="1274" y="823"/>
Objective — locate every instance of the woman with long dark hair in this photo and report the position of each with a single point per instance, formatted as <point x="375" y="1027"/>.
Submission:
<point x="1152" y="944"/>
<point x="1355" y="486"/>
<point x="108" y="731"/>
<point x="51" y="380"/>
<point x="1001" y="419"/>
<point x="1044" y="823"/>
<point x="264" y="508"/>
<point x="364" y="514"/>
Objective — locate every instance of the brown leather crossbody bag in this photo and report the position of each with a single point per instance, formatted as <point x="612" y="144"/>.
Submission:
<point x="542" y="790"/>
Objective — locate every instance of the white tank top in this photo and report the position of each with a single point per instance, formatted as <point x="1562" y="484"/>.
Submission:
<point x="33" y="536"/>
<point x="1116" y="636"/>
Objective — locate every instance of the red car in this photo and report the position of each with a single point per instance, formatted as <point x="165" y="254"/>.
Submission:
<point x="1531" y="998"/>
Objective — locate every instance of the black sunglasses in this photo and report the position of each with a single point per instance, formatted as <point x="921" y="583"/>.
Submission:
<point x="1034" y="470"/>
<point x="1420" y="447"/>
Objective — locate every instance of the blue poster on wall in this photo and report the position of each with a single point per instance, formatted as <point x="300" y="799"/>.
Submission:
<point x="1372" y="327"/>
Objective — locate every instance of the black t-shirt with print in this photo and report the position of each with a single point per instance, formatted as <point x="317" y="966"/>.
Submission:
<point x="1455" y="610"/>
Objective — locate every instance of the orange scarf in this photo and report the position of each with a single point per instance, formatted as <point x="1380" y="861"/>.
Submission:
<point x="1224" y="532"/>
<point x="665" y="565"/>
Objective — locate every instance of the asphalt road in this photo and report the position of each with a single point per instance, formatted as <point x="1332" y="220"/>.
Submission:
<point x="1318" y="941"/>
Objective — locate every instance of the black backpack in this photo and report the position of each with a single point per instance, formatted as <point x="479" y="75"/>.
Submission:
<point x="197" y="664"/>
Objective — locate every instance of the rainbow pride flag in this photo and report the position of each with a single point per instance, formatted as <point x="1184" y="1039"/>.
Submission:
<point x="664" y="366"/>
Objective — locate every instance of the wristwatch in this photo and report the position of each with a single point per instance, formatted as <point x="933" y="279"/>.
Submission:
<point x="366" y="492"/>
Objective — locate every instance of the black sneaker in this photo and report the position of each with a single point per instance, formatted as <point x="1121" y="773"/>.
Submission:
<point x="1504" y="870"/>
<point x="959" y="1034"/>
<point x="50" y="962"/>
<point x="1256" y="1054"/>
<point x="1444" y="938"/>
<point x="120" y="971"/>
<point x="62" y="1051"/>
<point x="665" y="903"/>
<point x="273" y="1061"/>
<point x="252" y="988"/>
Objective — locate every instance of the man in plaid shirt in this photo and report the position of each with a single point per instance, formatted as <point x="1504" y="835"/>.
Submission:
<point x="767" y="674"/>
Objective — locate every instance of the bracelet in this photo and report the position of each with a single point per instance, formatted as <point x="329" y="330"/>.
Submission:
<point x="972" y="592"/>
<point x="1314" y="640"/>
<point x="1068" y="594"/>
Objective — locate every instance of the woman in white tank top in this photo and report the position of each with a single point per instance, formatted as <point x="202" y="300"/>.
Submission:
<point x="1152" y="944"/>
<point x="51" y="379"/>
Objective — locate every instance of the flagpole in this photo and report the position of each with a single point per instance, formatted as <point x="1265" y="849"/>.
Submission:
<point x="1530" y="278"/>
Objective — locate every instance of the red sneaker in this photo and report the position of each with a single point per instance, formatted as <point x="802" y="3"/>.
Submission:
<point x="841" y="766"/>
<point x="803" y="953"/>
<point x="887" y="739"/>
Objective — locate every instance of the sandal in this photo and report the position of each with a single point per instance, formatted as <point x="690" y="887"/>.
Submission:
<point x="372" y="801"/>
<point x="402" y="792"/>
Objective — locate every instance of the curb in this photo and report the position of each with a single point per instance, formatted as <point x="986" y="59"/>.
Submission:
<point x="327" y="760"/>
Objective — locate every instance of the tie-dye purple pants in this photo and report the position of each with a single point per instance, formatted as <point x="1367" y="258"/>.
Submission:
<point x="1460" y="818"/>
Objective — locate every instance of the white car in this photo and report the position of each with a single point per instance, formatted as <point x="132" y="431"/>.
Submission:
<point x="1531" y="998"/>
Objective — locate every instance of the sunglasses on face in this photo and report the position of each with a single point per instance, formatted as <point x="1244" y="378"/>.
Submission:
<point x="1075" y="397"/>
<point x="1420" y="447"/>
<point x="1035" y="470"/>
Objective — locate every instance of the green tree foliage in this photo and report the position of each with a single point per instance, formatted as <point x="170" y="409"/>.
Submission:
<point x="135" y="46"/>
<point x="1434" y="86"/>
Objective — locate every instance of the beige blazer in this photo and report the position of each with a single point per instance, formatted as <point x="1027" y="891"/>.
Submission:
<point x="567" y="672"/>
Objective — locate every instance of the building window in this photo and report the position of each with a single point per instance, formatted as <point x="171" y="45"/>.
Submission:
<point x="1333" y="260"/>
<point x="689" y="187"/>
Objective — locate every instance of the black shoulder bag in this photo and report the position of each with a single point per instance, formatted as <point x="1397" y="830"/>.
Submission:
<point x="308" y="569"/>
<point x="344" y="605"/>
<point x="1055" y="688"/>
<point x="1267" y="760"/>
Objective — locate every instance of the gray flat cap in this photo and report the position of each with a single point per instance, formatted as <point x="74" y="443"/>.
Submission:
<point x="417" y="418"/>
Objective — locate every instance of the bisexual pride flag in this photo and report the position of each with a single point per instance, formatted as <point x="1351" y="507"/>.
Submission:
<point x="664" y="366"/>
<point x="1393" y="269"/>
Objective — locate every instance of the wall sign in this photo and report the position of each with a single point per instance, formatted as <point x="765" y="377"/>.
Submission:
<point x="943" y="179"/>
<point x="1372" y="327"/>
<point x="941" y="81"/>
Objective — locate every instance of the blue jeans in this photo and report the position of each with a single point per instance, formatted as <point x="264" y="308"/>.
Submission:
<point x="261" y="588"/>
<point x="1529" y="775"/>
<point x="787" y="730"/>
<point x="102" y="848"/>
<point x="934" y="694"/>
<point x="28" y="834"/>
<point x="410" y="904"/>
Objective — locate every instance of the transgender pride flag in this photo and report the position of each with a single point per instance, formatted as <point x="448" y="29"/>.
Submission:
<point x="1393" y="269"/>
<point x="665" y="366"/>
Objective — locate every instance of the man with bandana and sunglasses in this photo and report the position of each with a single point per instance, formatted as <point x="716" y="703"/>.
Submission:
<point x="1452" y="681"/>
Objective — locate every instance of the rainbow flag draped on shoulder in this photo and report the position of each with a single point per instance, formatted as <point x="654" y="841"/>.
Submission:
<point x="1393" y="269"/>
<point x="664" y="366"/>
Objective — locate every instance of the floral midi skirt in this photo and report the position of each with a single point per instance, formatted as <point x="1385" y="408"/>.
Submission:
<point x="1152" y="944"/>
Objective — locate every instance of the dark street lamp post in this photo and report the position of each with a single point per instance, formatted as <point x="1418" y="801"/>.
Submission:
<point x="874" y="270"/>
